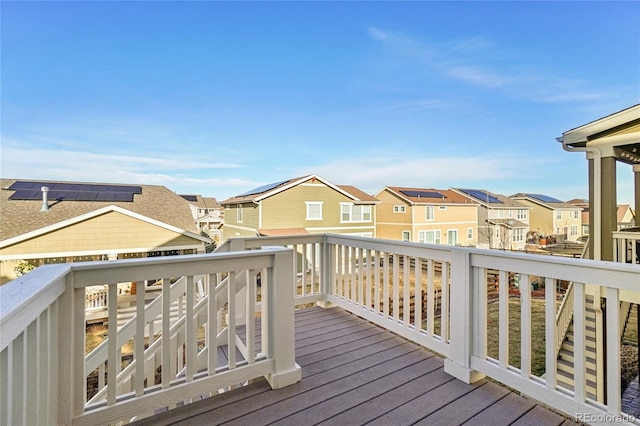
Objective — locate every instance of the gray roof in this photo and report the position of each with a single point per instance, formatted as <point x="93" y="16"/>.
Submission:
<point x="155" y="202"/>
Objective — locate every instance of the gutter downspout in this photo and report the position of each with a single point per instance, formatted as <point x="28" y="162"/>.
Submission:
<point x="597" y="255"/>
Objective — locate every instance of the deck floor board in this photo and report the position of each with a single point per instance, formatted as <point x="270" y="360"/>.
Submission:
<point x="355" y="373"/>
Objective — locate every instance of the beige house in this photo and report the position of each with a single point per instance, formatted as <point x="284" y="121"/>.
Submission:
<point x="503" y="223"/>
<point x="550" y="216"/>
<point x="302" y="205"/>
<point x="207" y="213"/>
<point x="432" y="216"/>
<point x="626" y="216"/>
<point x="73" y="221"/>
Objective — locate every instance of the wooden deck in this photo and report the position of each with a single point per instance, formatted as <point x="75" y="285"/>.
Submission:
<point x="357" y="373"/>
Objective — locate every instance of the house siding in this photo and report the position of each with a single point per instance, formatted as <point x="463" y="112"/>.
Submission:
<point x="390" y="225"/>
<point x="107" y="232"/>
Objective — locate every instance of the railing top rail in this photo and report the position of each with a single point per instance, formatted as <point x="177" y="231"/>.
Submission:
<point x="96" y="273"/>
<point x="25" y="298"/>
<point x="433" y="251"/>
<point x="256" y="242"/>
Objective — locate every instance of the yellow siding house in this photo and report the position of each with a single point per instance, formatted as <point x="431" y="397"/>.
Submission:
<point x="432" y="216"/>
<point x="303" y="205"/>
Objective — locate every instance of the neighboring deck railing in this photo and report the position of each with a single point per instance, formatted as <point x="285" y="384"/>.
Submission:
<point x="441" y="297"/>
<point x="627" y="245"/>
<point x="42" y="337"/>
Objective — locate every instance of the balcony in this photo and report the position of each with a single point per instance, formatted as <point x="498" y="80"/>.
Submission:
<point x="245" y="324"/>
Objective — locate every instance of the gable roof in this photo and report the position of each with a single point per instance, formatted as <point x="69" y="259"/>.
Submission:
<point x="429" y="195"/>
<point x="545" y="201"/>
<point x="96" y="213"/>
<point x="258" y="194"/>
<point x="202" y="202"/>
<point x="155" y="203"/>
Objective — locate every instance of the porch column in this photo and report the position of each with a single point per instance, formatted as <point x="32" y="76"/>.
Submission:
<point x="608" y="206"/>
<point x="636" y="180"/>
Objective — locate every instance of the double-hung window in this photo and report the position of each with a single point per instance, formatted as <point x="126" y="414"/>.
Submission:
<point x="428" y="213"/>
<point x="239" y="213"/>
<point x="314" y="210"/>
<point x="354" y="213"/>
<point x="429" y="237"/>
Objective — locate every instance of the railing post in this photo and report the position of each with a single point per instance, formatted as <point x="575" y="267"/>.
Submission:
<point x="458" y="364"/>
<point x="70" y="344"/>
<point x="327" y="266"/>
<point x="280" y="322"/>
<point x="241" y="295"/>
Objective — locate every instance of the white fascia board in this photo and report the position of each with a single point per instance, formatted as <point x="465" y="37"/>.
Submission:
<point x="298" y="182"/>
<point x="95" y="213"/>
<point x="580" y="134"/>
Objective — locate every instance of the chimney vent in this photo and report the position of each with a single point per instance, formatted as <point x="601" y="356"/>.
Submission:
<point x="45" y="201"/>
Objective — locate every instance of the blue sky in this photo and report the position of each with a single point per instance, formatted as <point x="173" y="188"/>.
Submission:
<point x="217" y="98"/>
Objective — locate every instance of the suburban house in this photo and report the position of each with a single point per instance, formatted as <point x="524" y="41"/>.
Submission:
<point x="502" y="223"/>
<point x="303" y="205"/>
<point x="432" y="216"/>
<point x="208" y="214"/>
<point x="584" y="214"/>
<point x="626" y="216"/>
<point x="58" y="222"/>
<point x="550" y="216"/>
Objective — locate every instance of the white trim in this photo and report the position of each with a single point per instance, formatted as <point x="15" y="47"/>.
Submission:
<point x="580" y="134"/>
<point x="95" y="213"/>
<point x="314" y="203"/>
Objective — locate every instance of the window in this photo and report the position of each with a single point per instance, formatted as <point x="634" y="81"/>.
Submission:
<point x="585" y="229"/>
<point x="429" y="237"/>
<point x="428" y="213"/>
<point x="442" y="207"/>
<point x="518" y="234"/>
<point x="399" y="209"/>
<point x="469" y="233"/>
<point x="452" y="237"/>
<point x="574" y="230"/>
<point x="575" y="214"/>
<point x="406" y="236"/>
<point x="314" y="210"/>
<point x="239" y="213"/>
<point x="521" y="214"/>
<point x="353" y="213"/>
<point x="558" y="214"/>
<point x="500" y="213"/>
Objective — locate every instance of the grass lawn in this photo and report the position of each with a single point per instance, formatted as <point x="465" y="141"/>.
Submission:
<point x="537" y="334"/>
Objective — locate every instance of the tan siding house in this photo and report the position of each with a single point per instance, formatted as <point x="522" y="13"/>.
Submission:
<point x="550" y="216"/>
<point x="307" y="204"/>
<point x="155" y="221"/>
<point x="433" y="216"/>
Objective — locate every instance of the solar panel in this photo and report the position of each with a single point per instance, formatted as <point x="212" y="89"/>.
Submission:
<point x="544" y="198"/>
<point x="481" y="195"/>
<point x="262" y="189"/>
<point x="31" y="190"/>
<point x="425" y="194"/>
<point x="192" y="198"/>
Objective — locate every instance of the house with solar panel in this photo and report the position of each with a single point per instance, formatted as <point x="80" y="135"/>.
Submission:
<point x="503" y="223"/>
<point x="302" y="205"/>
<point x="207" y="213"/>
<point x="59" y="222"/>
<point x="551" y="216"/>
<point x="425" y="215"/>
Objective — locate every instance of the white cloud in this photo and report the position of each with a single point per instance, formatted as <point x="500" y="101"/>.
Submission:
<point x="480" y="77"/>
<point x="373" y="173"/>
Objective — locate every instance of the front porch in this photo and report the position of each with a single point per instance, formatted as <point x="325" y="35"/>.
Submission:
<point x="435" y="297"/>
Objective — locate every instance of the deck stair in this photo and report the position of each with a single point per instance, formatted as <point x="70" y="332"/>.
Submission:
<point x="565" y="355"/>
<point x="565" y="361"/>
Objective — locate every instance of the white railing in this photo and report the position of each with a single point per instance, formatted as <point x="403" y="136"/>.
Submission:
<point x="42" y="337"/>
<point x="564" y="317"/>
<point x="437" y="296"/>
<point x="626" y="246"/>
<point x="368" y="277"/>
